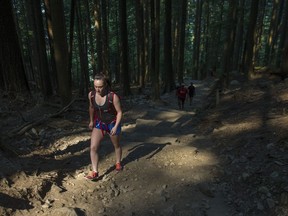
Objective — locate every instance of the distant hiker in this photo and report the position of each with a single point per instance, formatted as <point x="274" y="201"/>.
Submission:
<point x="105" y="114"/>
<point x="181" y="93"/>
<point x="191" y="92"/>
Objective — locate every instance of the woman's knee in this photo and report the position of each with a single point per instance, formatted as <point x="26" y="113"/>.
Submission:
<point x="93" y="149"/>
<point x="94" y="146"/>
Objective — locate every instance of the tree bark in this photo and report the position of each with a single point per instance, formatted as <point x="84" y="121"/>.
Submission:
<point x="284" y="65"/>
<point x="229" y="42"/>
<point x="250" y="40"/>
<point x="40" y="49"/>
<point x="91" y="44"/>
<point x="83" y="50"/>
<point x="273" y="30"/>
<point x="12" y="74"/>
<point x="197" y="41"/>
<point x="180" y="62"/>
<point x="98" y="27"/>
<point x="168" y="66"/>
<point x="238" y="47"/>
<point x="140" y="43"/>
<point x="282" y="34"/>
<point x="146" y="74"/>
<point x="61" y="51"/>
<point x="155" y="49"/>
<point x="105" y="41"/>
<point x="124" y="65"/>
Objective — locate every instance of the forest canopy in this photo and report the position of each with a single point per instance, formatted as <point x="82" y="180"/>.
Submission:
<point x="54" y="47"/>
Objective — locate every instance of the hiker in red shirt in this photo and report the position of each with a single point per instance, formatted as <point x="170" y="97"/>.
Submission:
<point x="181" y="94"/>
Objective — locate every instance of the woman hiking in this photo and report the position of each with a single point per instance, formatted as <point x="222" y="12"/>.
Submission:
<point x="105" y="114"/>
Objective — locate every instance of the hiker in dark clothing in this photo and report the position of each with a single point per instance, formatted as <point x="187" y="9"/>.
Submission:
<point x="191" y="92"/>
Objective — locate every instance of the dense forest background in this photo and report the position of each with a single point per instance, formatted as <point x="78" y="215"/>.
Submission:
<point x="53" y="48"/>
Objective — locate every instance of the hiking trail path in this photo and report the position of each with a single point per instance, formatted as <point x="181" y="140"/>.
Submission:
<point x="169" y="169"/>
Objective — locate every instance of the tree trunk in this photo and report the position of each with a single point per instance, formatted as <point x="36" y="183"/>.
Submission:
<point x="82" y="47"/>
<point x="175" y="35"/>
<point x="197" y="41"/>
<point x="155" y="49"/>
<point x="71" y="34"/>
<point x="168" y="66"/>
<point x="282" y="34"/>
<point x="61" y="51"/>
<point x="46" y="86"/>
<point x="180" y="62"/>
<point x="250" y="39"/>
<point x="206" y="39"/>
<point x="273" y="30"/>
<point x="91" y="44"/>
<point x="284" y="65"/>
<point x="238" y="37"/>
<point x="98" y="26"/>
<point x="146" y="74"/>
<point x="140" y="43"/>
<point x="105" y="41"/>
<point x="229" y="42"/>
<point x="124" y="66"/>
<point x="218" y="40"/>
<point x="52" y="63"/>
<point x="12" y="74"/>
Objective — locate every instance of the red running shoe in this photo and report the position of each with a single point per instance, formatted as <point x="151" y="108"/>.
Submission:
<point x="118" y="167"/>
<point x="92" y="175"/>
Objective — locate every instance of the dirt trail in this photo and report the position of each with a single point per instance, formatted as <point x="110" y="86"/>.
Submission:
<point x="168" y="168"/>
